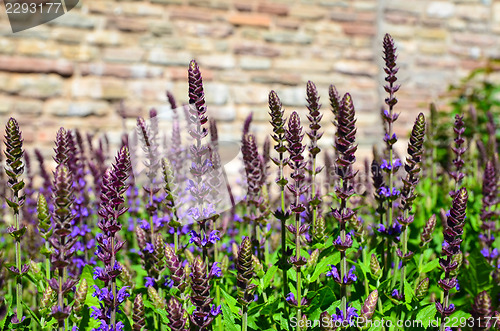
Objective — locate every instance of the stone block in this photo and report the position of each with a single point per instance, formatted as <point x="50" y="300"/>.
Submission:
<point x="257" y="50"/>
<point x="257" y="20"/>
<point x="217" y="61"/>
<point x="65" y="108"/>
<point x="279" y="9"/>
<point x="440" y="9"/>
<point x="34" y="65"/>
<point x="254" y="63"/>
<point x="123" y="54"/>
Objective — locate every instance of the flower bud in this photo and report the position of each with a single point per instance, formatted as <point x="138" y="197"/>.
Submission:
<point x="422" y="288"/>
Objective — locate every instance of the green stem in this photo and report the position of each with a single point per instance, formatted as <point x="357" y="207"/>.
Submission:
<point x="405" y="250"/>
<point x="367" y="289"/>
<point x="113" y="285"/>
<point x="47" y="261"/>
<point x="297" y="256"/>
<point x="244" y="319"/>
<point x="283" y="231"/>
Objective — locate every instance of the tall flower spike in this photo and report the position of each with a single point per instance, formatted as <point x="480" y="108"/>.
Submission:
<point x="459" y="150"/>
<point x="61" y="241"/>
<point x="345" y="145"/>
<point x="196" y="93"/>
<point x="278" y="122"/>
<point x="296" y="162"/>
<point x="245" y="269"/>
<point x="203" y="315"/>
<point x="335" y="102"/>
<point x="139" y="316"/>
<point x="176" y="315"/>
<point x="369" y="306"/>
<point x="482" y="310"/>
<point x="314" y="135"/>
<point x="489" y="201"/>
<point x="412" y="167"/>
<point x="14" y="169"/>
<point x="452" y="231"/>
<point x="114" y="186"/>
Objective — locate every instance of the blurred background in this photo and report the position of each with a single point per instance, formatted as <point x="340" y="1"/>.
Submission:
<point x="76" y="70"/>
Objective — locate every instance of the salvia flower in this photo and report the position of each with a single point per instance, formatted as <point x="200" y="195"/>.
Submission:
<point x="482" y="310"/>
<point x="176" y="315"/>
<point x="453" y="229"/>
<point x="369" y="306"/>
<point x="459" y="150"/>
<point x="14" y="169"/>
<point x="245" y="269"/>
<point x="114" y="186"/>
<point x="200" y="284"/>
<point x="138" y="316"/>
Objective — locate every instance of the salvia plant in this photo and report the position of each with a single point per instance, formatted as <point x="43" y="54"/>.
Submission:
<point x="310" y="237"/>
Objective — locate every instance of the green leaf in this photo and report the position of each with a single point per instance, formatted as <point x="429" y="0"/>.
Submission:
<point x="7" y="306"/>
<point x="31" y="313"/>
<point x="228" y="318"/>
<point x="429" y="266"/>
<point x="231" y="302"/>
<point x="268" y="276"/>
<point x="322" y="266"/>
<point x="408" y="291"/>
<point x="426" y="315"/>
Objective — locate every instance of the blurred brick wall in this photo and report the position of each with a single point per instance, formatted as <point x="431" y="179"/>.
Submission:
<point x="75" y="70"/>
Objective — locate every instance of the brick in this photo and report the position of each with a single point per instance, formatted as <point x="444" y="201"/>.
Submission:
<point x="307" y="12"/>
<point x="191" y="14"/>
<point x="435" y="48"/>
<point x="160" y="28"/>
<point x="356" y="68"/>
<point x="161" y="57"/>
<point x="435" y="34"/>
<point x="104" y="38"/>
<point x="257" y="20"/>
<point x="342" y="15"/>
<point x="218" y="113"/>
<point x="213" y="4"/>
<point x="250" y="94"/>
<point x="243" y="6"/>
<point x="257" y="50"/>
<point x="120" y="70"/>
<point x="287" y="37"/>
<point x="291" y="79"/>
<point x="7" y="46"/>
<point x="33" y="65"/>
<point x="67" y="35"/>
<point x="64" y="108"/>
<point x="496" y="12"/>
<point x="217" y="61"/>
<point x="80" y="53"/>
<point x="440" y="9"/>
<point x="279" y="9"/>
<point x="126" y="24"/>
<point x="287" y="23"/>
<point x="150" y="89"/>
<point x="75" y="20"/>
<point x="123" y="54"/>
<point x="292" y="96"/>
<point x="254" y="63"/>
<point x="167" y="2"/>
<point x="139" y="9"/>
<point x="34" y="86"/>
<point x="27" y="106"/>
<point x="400" y="17"/>
<point x="473" y="12"/>
<point x="354" y="28"/>
<point x="468" y="39"/>
<point x="216" y="93"/>
<point x="297" y="64"/>
<point x="38" y="48"/>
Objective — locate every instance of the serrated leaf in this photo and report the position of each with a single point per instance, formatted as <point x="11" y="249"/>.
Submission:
<point x="426" y="314"/>
<point x="228" y="318"/>
<point x="429" y="266"/>
<point x="322" y="266"/>
<point x="408" y="291"/>
<point x="231" y="302"/>
<point x="268" y="276"/>
<point x="9" y="303"/>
